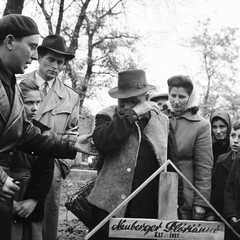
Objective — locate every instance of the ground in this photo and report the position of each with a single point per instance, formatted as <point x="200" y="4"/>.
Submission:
<point x="69" y="226"/>
<point x="71" y="230"/>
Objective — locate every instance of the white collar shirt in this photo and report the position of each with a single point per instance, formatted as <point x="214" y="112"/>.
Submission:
<point x="41" y="82"/>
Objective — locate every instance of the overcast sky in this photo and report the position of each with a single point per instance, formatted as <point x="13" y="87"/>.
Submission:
<point x="168" y="57"/>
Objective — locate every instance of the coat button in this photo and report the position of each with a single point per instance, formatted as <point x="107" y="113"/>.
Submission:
<point x="129" y="169"/>
<point x="123" y="196"/>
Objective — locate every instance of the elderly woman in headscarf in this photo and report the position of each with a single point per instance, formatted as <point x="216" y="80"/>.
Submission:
<point x="193" y="136"/>
<point x="221" y="127"/>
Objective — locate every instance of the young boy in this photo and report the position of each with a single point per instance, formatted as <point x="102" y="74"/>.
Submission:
<point x="33" y="173"/>
<point x="232" y="189"/>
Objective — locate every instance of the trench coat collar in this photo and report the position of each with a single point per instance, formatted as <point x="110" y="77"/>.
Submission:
<point x="53" y="98"/>
<point x="57" y="86"/>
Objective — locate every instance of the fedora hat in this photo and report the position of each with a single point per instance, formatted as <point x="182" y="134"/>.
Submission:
<point x="131" y="83"/>
<point x="56" y="43"/>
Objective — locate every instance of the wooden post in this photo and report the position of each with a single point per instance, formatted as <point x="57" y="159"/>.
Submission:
<point x="168" y="195"/>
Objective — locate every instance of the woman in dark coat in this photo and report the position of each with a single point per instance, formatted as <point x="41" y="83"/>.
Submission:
<point x="221" y="173"/>
<point x="221" y="127"/>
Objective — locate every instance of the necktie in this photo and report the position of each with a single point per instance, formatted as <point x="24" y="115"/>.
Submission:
<point x="45" y="88"/>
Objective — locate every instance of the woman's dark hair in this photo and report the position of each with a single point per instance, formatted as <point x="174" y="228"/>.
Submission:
<point x="180" y="81"/>
<point x="27" y="85"/>
<point x="236" y="125"/>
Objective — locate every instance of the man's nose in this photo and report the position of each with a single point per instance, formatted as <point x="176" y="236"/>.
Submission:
<point x="176" y="100"/>
<point x="236" y="140"/>
<point x="54" y="64"/>
<point x="34" y="107"/>
<point x="35" y="54"/>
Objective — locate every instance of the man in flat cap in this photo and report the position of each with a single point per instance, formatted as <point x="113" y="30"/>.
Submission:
<point x="132" y="139"/>
<point x="19" y="36"/>
<point x="60" y="111"/>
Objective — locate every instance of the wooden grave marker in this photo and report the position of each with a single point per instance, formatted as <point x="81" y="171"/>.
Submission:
<point x="166" y="226"/>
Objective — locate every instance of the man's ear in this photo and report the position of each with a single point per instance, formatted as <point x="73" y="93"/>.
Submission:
<point x="9" y="41"/>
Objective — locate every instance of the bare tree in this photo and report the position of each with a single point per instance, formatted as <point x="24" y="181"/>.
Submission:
<point x="219" y="54"/>
<point x="94" y="25"/>
<point x="101" y="39"/>
<point x="102" y="46"/>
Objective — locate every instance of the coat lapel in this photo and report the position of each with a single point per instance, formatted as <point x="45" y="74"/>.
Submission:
<point x="158" y="124"/>
<point x="226" y="163"/>
<point x="52" y="100"/>
<point x="5" y="107"/>
<point x="16" y="111"/>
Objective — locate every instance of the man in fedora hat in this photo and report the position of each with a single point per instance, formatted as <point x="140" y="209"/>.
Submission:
<point x="19" y="36"/>
<point x="132" y="139"/>
<point x="59" y="110"/>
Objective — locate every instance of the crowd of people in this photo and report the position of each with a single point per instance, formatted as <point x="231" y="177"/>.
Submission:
<point x="132" y="138"/>
<point x="39" y="117"/>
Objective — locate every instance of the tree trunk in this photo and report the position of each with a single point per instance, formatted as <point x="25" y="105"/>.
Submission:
<point x="13" y="6"/>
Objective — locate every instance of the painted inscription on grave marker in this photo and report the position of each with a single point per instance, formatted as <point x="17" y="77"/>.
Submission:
<point x="165" y="229"/>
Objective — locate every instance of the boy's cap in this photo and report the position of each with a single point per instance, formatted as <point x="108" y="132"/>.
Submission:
<point x="18" y="25"/>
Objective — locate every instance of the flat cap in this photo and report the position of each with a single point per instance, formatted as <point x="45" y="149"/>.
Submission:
<point x="18" y="25"/>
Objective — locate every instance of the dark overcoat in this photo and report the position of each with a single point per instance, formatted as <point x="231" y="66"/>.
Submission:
<point x="219" y="179"/>
<point x="232" y="191"/>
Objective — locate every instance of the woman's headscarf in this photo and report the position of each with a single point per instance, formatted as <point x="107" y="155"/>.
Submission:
<point x="193" y="100"/>
<point x="192" y="104"/>
<point x="226" y="118"/>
